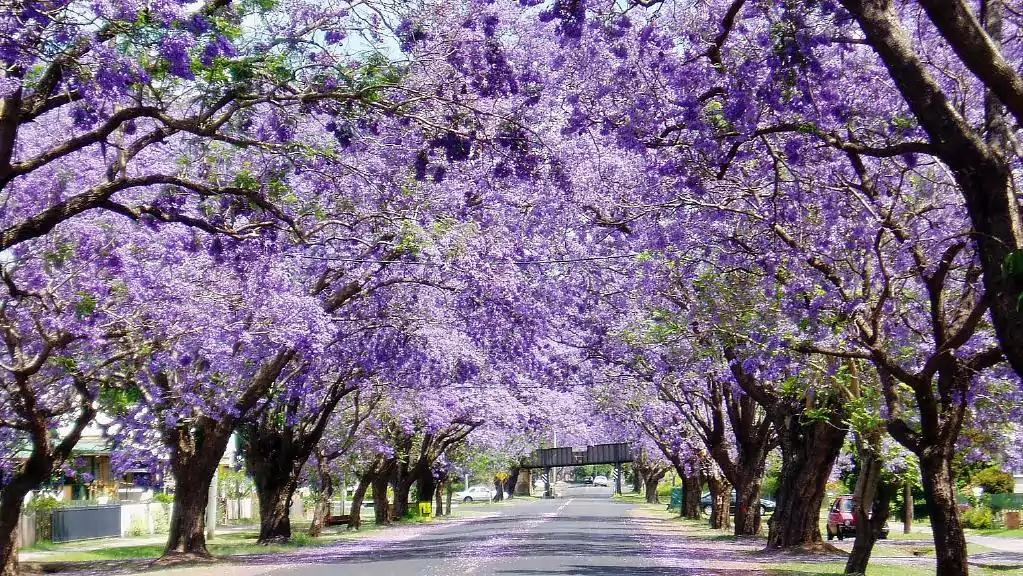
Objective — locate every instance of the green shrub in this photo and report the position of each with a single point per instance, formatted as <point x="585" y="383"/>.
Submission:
<point x="43" y="506"/>
<point x="43" y="502"/>
<point x="979" y="517"/>
<point x="163" y="498"/>
<point x="161" y="519"/>
<point x="994" y="480"/>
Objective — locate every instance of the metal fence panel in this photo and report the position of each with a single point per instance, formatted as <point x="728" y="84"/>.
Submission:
<point x="1006" y="501"/>
<point x="86" y="522"/>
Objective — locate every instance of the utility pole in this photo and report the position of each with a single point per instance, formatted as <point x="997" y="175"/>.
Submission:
<point x="211" y="506"/>
<point x="907" y="503"/>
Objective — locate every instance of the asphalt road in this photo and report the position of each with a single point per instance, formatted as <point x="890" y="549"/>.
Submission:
<point x="582" y="533"/>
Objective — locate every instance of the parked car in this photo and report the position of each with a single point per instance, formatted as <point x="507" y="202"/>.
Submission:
<point x="600" y="481"/>
<point x="588" y="480"/>
<point x="706" y="502"/>
<point x="475" y="494"/>
<point x="539" y="483"/>
<point x="842" y="521"/>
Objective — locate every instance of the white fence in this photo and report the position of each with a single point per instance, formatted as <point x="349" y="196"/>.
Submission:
<point x="27" y="530"/>
<point x="238" y="508"/>
<point x="145" y="519"/>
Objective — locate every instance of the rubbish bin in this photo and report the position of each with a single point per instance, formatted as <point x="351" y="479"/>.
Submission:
<point x="1012" y="520"/>
<point x="676" y="499"/>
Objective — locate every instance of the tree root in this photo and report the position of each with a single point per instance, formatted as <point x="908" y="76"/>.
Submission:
<point x="176" y="558"/>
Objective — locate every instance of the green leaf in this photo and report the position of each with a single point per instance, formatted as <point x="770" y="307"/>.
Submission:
<point x="1012" y="266"/>
<point x="86" y="305"/>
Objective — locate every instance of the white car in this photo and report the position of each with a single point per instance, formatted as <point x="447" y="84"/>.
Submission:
<point x="600" y="481"/>
<point x="475" y="494"/>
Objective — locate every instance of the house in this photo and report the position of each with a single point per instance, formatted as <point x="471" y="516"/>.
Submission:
<point x="89" y="474"/>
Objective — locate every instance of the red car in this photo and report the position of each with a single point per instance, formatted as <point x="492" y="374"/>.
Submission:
<point x="842" y="521"/>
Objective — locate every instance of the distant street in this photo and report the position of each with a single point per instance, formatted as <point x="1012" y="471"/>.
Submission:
<point x="584" y="532"/>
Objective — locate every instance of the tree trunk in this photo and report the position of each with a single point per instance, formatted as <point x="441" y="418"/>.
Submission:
<point x="439" y="498"/>
<point x="380" y="503"/>
<point x="747" y="502"/>
<point x="511" y="482"/>
<point x="323" y="498"/>
<point x="860" y="555"/>
<point x="720" y="501"/>
<point x="691" y="486"/>
<point x="868" y="464"/>
<point x="275" y="510"/>
<point x="498" y="489"/>
<point x="949" y="540"/>
<point x="187" y="538"/>
<point x="650" y="485"/>
<point x="401" y="501"/>
<point x="638" y="482"/>
<point x="355" y="514"/>
<point x="808" y="454"/>
<point x="12" y="499"/>
<point x="426" y="486"/>
<point x="402" y="487"/>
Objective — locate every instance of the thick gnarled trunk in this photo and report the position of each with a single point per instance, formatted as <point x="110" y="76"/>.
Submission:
<point x="401" y="496"/>
<point x="187" y="537"/>
<point x="275" y="511"/>
<point x="426" y="487"/>
<point x="691" y="486"/>
<point x="511" y="482"/>
<point x="808" y="454"/>
<point x="720" y="501"/>
<point x="193" y="464"/>
<point x="650" y="489"/>
<point x="12" y="498"/>
<point x="747" y="504"/>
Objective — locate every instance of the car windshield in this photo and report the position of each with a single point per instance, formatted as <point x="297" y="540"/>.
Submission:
<point x="845" y="505"/>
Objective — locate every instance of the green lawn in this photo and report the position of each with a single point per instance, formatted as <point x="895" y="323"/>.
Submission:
<point x="225" y="544"/>
<point x="221" y="545"/>
<point x="834" y="568"/>
<point x="1000" y="532"/>
<point x="837" y="568"/>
